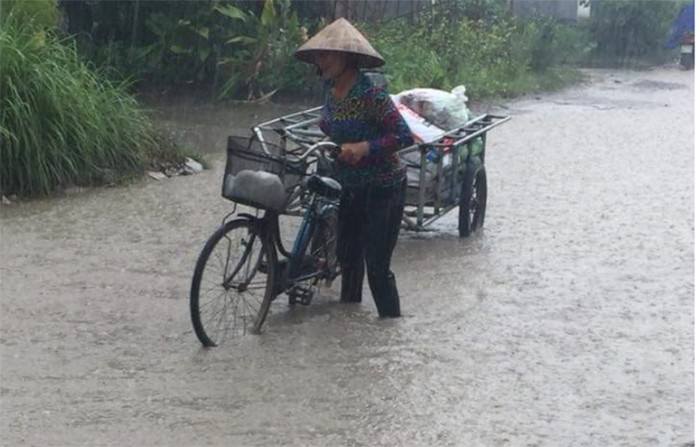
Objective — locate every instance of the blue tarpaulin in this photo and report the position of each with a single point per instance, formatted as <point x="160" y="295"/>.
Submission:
<point x="684" y="22"/>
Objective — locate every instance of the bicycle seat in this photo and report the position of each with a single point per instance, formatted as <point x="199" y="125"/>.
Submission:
<point x="325" y="186"/>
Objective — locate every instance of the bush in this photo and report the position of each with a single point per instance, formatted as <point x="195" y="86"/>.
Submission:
<point x="221" y="49"/>
<point x="542" y="43"/>
<point x="61" y="123"/>
<point x="490" y="57"/>
<point x="239" y="49"/>
<point x="40" y="13"/>
<point x="260" y="59"/>
<point x="630" y="29"/>
<point x="410" y="59"/>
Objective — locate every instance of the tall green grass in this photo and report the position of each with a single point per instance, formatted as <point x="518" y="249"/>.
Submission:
<point x="60" y="122"/>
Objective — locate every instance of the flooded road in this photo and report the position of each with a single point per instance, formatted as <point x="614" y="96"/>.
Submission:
<point x="568" y="322"/>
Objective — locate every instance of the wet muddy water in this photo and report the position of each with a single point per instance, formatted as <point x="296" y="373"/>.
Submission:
<point x="568" y="322"/>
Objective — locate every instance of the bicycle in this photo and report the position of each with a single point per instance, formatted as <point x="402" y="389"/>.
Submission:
<point x="244" y="265"/>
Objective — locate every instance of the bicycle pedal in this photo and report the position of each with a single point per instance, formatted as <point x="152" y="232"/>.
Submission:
<point x="298" y="295"/>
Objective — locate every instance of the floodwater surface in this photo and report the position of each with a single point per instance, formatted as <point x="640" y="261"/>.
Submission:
<point x="567" y="322"/>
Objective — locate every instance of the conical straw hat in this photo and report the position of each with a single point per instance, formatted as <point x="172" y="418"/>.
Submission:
<point x="341" y="36"/>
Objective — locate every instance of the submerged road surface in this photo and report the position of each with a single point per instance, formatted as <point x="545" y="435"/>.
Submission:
<point x="568" y="322"/>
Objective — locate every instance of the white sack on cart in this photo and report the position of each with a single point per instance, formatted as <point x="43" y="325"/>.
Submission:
<point x="447" y="110"/>
<point x="422" y="130"/>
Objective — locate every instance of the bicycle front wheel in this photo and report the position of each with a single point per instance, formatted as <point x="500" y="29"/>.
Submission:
<point x="232" y="283"/>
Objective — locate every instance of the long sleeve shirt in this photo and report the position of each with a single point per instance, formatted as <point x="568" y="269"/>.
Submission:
<point x="367" y="113"/>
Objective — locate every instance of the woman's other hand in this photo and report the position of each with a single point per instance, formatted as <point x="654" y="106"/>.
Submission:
<point x="352" y="153"/>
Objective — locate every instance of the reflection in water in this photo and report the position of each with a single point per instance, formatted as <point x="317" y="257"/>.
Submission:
<point x="206" y="126"/>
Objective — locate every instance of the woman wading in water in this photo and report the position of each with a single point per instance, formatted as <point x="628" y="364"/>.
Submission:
<point x="362" y="120"/>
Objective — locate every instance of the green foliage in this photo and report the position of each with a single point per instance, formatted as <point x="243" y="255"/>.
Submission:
<point x="630" y="29"/>
<point x="161" y="43"/>
<point x="477" y="10"/>
<point x="41" y="13"/>
<point x="235" y="49"/>
<point x="60" y="122"/>
<point x="542" y="43"/>
<point x="244" y="50"/>
<point x="260" y="59"/>
<point x="410" y="60"/>
<point x="498" y="57"/>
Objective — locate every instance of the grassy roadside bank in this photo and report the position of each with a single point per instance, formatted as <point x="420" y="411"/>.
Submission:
<point x="63" y="124"/>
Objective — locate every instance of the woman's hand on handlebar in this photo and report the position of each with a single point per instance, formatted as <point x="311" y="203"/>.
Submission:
<point x="352" y="153"/>
<point x="325" y="148"/>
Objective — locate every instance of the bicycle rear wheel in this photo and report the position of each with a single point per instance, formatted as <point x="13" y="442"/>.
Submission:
<point x="230" y="294"/>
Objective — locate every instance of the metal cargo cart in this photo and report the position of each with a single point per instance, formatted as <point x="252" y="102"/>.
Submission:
<point x="443" y="174"/>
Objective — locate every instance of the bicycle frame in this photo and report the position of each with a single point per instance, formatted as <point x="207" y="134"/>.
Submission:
<point x="293" y="273"/>
<point x="248" y="245"/>
<point x="317" y="209"/>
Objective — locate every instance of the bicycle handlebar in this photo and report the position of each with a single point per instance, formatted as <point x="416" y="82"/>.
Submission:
<point x="326" y="148"/>
<point x="321" y="148"/>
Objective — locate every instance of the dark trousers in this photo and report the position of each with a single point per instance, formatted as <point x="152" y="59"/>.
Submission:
<point x="369" y="223"/>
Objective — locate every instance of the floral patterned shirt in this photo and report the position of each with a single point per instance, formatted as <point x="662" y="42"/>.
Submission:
<point x="367" y="113"/>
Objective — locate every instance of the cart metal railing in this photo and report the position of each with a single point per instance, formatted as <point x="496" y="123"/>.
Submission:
<point x="425" y="205"/>
<point x="437" y="170"/>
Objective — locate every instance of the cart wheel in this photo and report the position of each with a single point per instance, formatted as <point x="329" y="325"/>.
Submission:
<point x="472" y="199"/>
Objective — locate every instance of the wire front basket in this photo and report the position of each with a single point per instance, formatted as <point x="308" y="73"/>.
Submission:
<point x="247" y="154"/>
